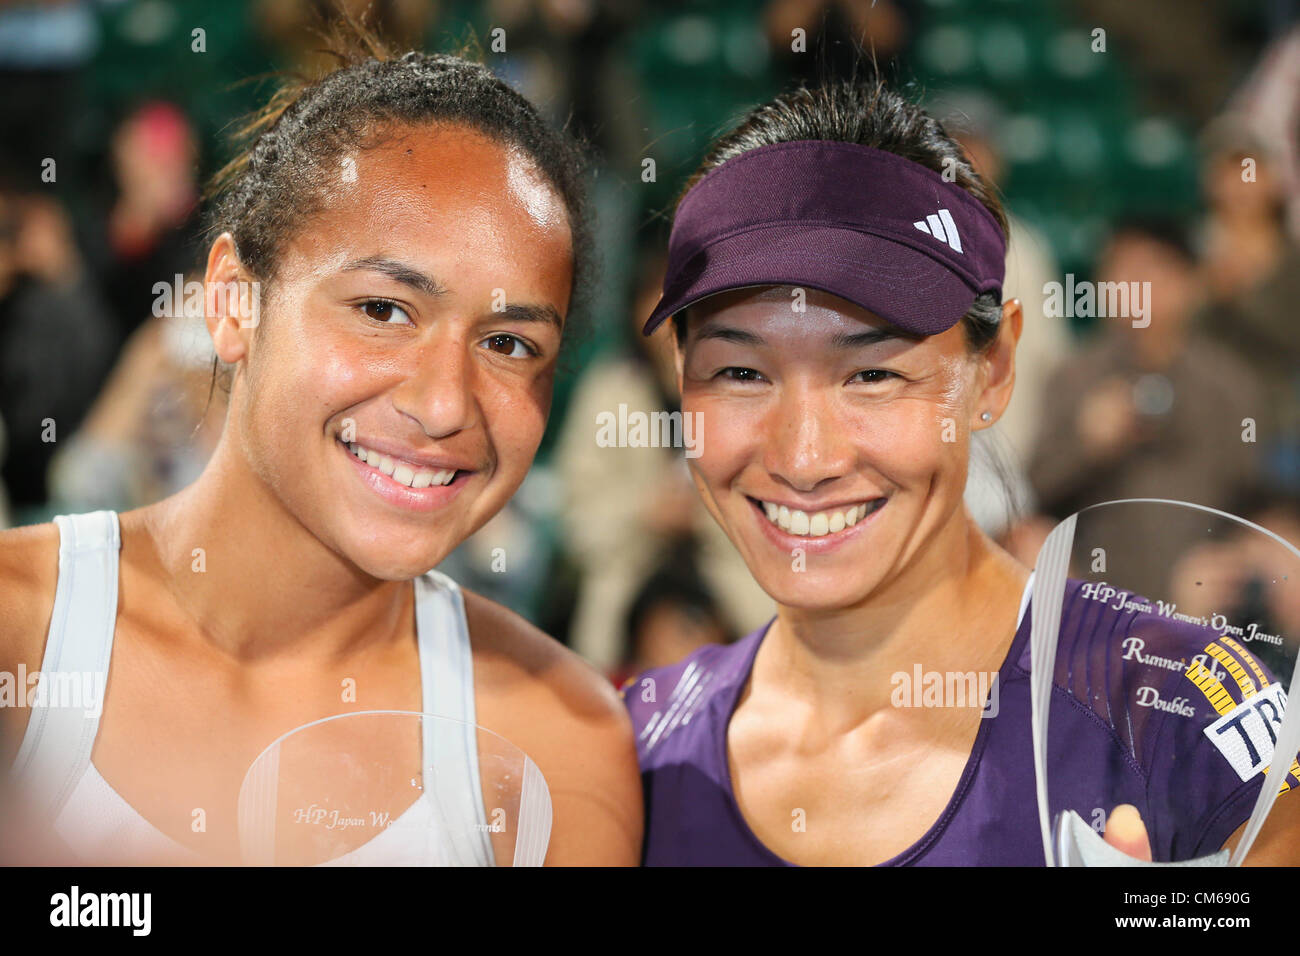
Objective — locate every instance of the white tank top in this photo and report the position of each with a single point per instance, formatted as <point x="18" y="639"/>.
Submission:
<point x="96" y="822"/>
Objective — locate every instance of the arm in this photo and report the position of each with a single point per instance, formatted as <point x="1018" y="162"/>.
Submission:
<point x="28" y="574"/>
<point x="562" y="713"/>
<point x="1084" y="432"/>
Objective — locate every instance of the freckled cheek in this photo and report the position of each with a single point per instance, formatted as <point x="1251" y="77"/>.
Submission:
<point x="728" y="435"/>
<point x="515" y="417"/>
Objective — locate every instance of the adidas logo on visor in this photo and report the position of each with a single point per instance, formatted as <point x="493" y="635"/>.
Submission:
<point x="941" y="227"/>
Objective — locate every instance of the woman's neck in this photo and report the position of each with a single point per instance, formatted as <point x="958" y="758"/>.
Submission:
<point x="253" y="581"/>
<point x="953" y="609"/>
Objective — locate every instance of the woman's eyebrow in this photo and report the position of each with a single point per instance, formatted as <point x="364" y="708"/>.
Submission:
<point x="857" y="340"/>
<point x="398" y="272"/>
<point x="729" y="333"/>
<point x="533" y="313"/>
<point x="421" y="282"/>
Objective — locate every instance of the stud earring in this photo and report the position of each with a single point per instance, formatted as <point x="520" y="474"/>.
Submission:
<point x="985" y="416"/>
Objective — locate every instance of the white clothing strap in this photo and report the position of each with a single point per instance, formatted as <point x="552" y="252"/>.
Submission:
<point x="60" y="733"/>
<point x="451" y="766"/>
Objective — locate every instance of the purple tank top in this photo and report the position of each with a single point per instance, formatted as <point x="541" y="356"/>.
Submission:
<point x="1191" y="805"/>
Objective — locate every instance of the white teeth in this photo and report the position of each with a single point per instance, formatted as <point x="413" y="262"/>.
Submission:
<point x="818" y="524"/>
<point x="402" y="473"/>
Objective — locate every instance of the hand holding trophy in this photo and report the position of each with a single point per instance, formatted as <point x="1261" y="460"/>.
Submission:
<point x="1161" y="712"/>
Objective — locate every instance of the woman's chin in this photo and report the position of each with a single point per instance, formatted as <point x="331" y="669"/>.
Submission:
<point x="395" y="567"/>
<point x="811" y="591"/>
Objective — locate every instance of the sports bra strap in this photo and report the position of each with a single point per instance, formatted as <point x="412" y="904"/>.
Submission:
<point x="447" y="688"/>
<point x="61" y="730"/>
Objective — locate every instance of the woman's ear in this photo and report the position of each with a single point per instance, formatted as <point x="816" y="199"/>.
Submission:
<point x="999" y="372"/>
<point x="231" y="301"/>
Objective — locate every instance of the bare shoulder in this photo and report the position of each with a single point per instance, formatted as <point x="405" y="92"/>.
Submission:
<point x="569" y="719"/>
<point x="29" y="571"/>
<point x="515" y="657"/>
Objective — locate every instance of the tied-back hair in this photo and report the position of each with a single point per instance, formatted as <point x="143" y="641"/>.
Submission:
<point x="291" y="150"/>
<point x="290" y="153"/>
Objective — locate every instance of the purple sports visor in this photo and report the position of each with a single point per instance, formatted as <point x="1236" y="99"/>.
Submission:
<point x="878" y="230"/>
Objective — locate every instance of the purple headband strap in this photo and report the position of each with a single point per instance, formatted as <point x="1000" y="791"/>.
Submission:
<point x="871" y="227"/>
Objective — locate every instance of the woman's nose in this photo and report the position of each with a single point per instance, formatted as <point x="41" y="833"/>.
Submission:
<point x="438" y="390"/>
<point x="808" y="443"/>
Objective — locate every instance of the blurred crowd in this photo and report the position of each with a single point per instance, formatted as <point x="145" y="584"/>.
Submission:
<point x="106" y="403"/>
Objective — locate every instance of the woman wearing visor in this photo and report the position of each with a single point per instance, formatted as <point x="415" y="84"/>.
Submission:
<point x="835" y="289"/>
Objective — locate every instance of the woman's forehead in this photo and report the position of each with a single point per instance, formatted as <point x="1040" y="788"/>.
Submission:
<point x="796" y="310"/>
<point x="431" y="165"/>
<point x="450" y="201"/>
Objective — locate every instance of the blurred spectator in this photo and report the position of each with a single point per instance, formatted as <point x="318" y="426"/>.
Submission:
<point x="671" y="616"/>
<point x="1253" y="272"/>
<point x="150" y="230"/>
<point x="1268" y="105"/>
<point x="154" y="425"/>
<point x="835" y="31"/>
<point x="295" y="27"/>
<point x="1187" y="54"/>
<point x="1147" y="412"/>
<point x="625" y="508"/>
<point x="564" y="56"/>
<point x="511" y="559"/>
<point x="56" y="340"/>
<point x="1248" y="577"/>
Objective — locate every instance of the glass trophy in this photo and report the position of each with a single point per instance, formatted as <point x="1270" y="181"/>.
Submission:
<point x="393" y="788"/>
<point x="1165" y="639"/>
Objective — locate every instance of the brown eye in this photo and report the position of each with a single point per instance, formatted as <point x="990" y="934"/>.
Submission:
<point x="873" y="376"/>
<point x="381" y="310"/>
<point x="737" y="374"/>
<point x="508" y="345"/>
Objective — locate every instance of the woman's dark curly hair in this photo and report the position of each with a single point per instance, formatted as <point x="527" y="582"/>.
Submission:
<point x="292" y="148"/>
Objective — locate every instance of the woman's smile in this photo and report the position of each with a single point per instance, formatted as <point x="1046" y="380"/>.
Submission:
<point x="818" y="530"/>
<point x="405" y="483"/>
